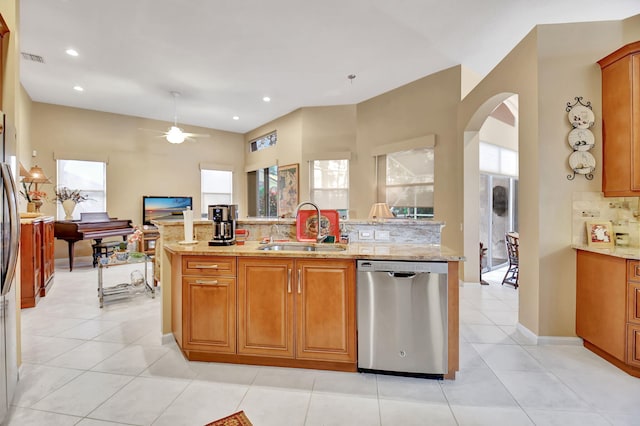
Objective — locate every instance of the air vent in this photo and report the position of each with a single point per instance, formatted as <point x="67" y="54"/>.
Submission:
<point x="32" y="57"/>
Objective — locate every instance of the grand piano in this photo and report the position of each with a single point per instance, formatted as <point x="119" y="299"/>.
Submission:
<point x="91" y="226"/>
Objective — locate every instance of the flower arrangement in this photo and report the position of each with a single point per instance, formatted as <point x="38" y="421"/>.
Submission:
<point x="30" y="195"/>
<point x="136" y="236"/>
<point x="64" y="194"/>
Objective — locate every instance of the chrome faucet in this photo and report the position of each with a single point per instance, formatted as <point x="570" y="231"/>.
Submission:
<point x="273" y="228"/>
<point x="319" y="236"/>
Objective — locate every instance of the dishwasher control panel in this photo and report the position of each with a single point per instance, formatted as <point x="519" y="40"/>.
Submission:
<point x="402" y="266"/>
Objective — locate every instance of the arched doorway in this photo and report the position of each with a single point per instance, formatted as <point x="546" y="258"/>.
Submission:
<point x="491" y="126"/>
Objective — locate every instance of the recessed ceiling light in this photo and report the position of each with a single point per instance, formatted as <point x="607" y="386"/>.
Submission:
<point x="266" y="99"/>
<point x="78" y="88"/>
<point x="235" y="117"/>
<point x="72" y="52"/>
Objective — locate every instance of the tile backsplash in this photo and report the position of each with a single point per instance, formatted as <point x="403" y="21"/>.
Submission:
<point x="622" y="212"/>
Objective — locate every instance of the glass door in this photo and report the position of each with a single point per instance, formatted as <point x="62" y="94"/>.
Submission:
<point x="498" y="215"/>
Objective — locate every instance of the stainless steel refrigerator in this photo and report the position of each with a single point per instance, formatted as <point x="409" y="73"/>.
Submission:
<point x="10" y="229"/>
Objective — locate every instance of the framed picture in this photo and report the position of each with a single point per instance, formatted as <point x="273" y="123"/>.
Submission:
<point x="600" y="234"/>
<point x="287" y="189"/>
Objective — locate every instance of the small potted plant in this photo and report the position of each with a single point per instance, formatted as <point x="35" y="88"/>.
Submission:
<point x="69" y="198"/>
<point x="121" y="253"/>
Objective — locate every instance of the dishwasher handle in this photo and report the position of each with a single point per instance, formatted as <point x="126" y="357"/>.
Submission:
<point x="402" y="274"/>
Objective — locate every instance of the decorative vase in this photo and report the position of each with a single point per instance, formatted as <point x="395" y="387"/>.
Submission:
<point x="31" y="207"/>
<point x="38" y="203"/>
<point x="68" y="206"/>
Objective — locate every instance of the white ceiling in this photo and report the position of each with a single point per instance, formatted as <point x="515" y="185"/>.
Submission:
<point x="223" y="56"/>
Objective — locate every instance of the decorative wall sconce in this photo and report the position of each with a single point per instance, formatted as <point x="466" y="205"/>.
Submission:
<point x="580" y="138"/>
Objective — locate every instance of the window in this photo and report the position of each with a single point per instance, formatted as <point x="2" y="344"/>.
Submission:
<point x="330" y="185"/>
<point x="498" y="160"/>
<point x="263" y="142"/>
<point x="262" y="192"/>
<point x="216" y="187"/>
<point x="89" y="177"/>
<point x="405" y="182"/>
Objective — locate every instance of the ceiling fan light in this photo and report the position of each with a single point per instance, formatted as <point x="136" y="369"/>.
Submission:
<point x="175" y="135"/>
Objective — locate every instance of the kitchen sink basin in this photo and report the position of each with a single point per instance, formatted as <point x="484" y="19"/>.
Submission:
<point x="302" y="247"/>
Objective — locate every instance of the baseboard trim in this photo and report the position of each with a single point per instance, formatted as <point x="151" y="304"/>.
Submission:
<point x="548" y="340"/>
<point x="168" y="339"/>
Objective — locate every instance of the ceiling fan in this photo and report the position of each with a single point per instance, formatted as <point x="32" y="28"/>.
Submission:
<point x="175" y="134"/>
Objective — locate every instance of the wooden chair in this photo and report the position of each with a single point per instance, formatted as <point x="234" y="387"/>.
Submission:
<point x="512" y="240"/>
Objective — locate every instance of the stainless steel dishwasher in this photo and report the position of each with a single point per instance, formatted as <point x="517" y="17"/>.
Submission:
<point x="402" y="318"/>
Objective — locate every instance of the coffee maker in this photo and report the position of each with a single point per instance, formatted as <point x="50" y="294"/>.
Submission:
<point x="224" y="224"/>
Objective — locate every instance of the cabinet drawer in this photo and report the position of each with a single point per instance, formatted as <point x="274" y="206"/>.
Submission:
<point x="633" y="270"/>
<point x="633" y="303"/>
<point x="633" y="345"/>
<point x="208" y="265"/>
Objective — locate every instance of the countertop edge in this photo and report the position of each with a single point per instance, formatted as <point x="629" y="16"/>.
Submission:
<point x="399" y="251"/>
<point x="632" y="253"/>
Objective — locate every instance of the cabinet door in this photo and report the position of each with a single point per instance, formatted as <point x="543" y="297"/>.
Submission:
<point x="621" y="122"/>
<point x="29" y="266"/>
<point x="265" y="307"/>
<point x="48" y="247"/>
<point x="633" y="306"/>
<point x="633" y="345"/>
<point x="209" y="320"/>
<point x="635" y="124"/>
<point x="601" y="293"/>
<point x="325" y="310"/>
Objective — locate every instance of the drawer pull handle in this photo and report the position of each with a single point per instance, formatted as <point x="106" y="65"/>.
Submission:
<point x="205" y="266"/>
<point x="211" y="282"/>
<point x="289" y="280"/>
<point x="299" y="290"/>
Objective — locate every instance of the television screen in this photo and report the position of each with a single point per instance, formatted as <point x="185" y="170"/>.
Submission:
<point x="164" y="207"/>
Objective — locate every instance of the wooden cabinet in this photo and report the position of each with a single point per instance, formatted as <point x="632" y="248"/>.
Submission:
<point x="147" y="244"/>
<point x="48" y="255"/>
<point x="265" y="307"/>
<point x="30" y="263"/>
<point x="608" y="309"/>
<point x="209" y="304"/>
<point x="621" y="121"/>
<point x="633" y="303"/>
<point x="633" y="351"/>
<point x="326" y="310"/>
<point x="302" y="308"/>
<point x="37" y="266"/>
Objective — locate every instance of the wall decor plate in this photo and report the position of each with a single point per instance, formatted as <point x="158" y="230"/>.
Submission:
<point x="581" y="139"/>
<point x="581" y="117"/>
<point x="582" y="162"/>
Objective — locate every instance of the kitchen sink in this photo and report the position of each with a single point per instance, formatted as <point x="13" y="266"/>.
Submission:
<point x="302" y="247"/>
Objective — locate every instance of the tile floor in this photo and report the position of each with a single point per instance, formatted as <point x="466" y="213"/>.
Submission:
<point x="83" y="365"/>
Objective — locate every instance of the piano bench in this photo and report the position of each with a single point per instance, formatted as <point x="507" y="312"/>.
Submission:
<point x="103" y="249"/>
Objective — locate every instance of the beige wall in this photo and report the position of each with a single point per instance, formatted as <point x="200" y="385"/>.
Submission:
<point x="499" y="133"/>
<point x="14" y="125"/>
<point x="139" y="162"/>
<point x="326" y="132"/>
<point x="551" y="66"/>
<point x="426" y="106"/>
<point x="517" y="74"/>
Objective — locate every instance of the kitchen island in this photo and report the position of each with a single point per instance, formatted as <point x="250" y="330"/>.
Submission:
<point x="240" y="304"/>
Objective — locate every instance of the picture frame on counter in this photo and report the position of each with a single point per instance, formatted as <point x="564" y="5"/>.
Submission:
<point x="288" y="181"/>
<point x="600" y="234"/>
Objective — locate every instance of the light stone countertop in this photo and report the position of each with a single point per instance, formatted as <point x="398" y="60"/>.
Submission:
<point x="378" y="251"/>
<point x="631" y="253"/>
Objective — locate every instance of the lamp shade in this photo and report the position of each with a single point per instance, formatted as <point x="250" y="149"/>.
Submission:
<point x="380" y="211"/>
<point x="36" y="175"/>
